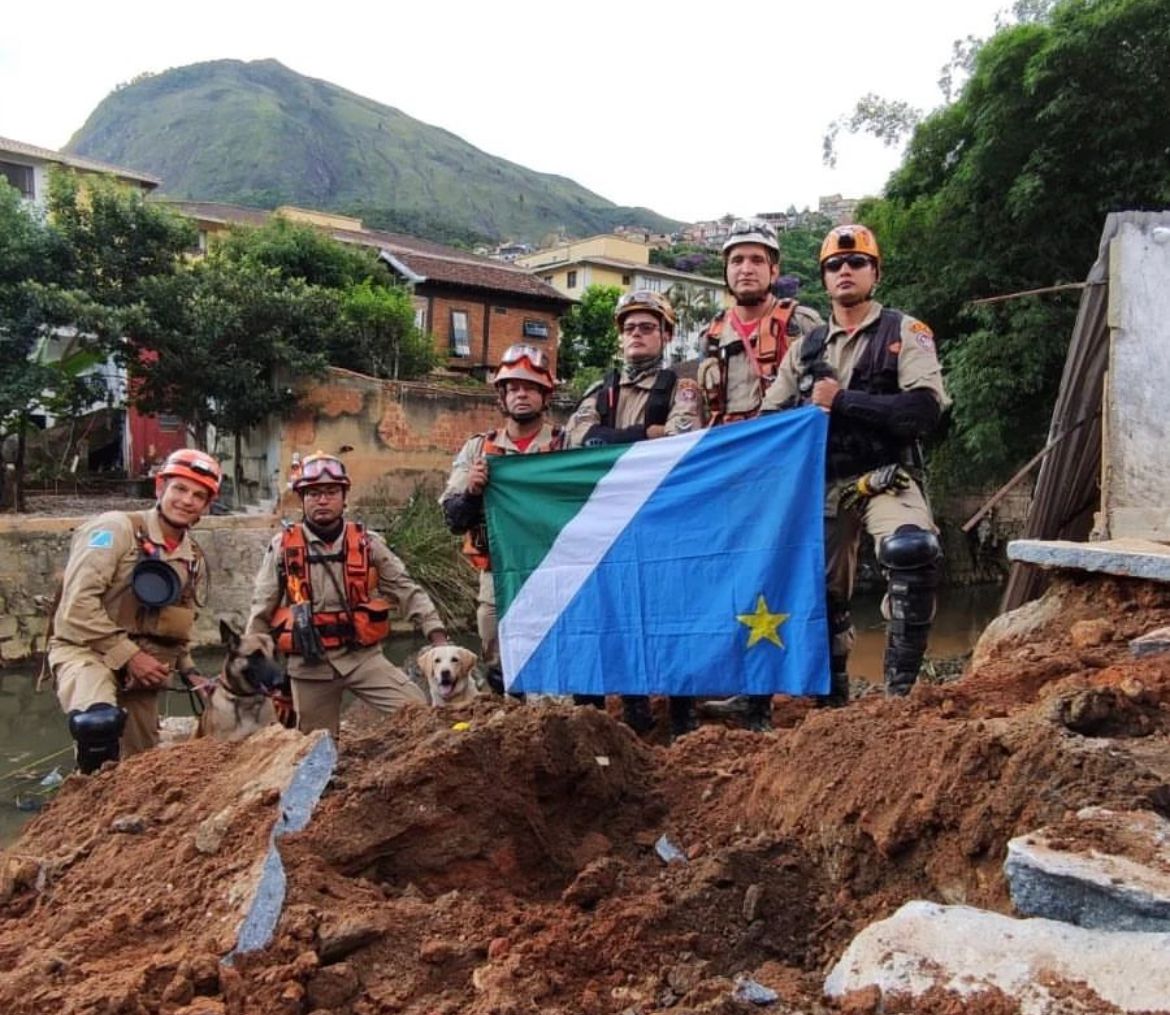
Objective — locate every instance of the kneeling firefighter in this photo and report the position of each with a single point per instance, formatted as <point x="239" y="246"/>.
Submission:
<point x="325" y="592"/>
<point x="876" y="372"/>
<point x="126" y="610"/>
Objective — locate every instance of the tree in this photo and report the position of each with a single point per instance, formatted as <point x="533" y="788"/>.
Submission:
<point x="69" y="286"/>
<point x="378" y="331"/>
<point x="1006" y="189"/>
<point x="589" y="338"/>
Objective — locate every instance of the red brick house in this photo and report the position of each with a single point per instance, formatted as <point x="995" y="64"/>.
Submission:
<point x="472" y="306"/>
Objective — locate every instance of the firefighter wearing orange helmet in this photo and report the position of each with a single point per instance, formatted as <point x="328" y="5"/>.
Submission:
<point x="876" y="372"/>
<point x="126" y="611"/>
<point x="524" y="384"/>
<point x="325" y="592"/>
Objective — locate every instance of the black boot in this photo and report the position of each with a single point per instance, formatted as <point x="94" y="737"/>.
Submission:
<point x="838" y="695"/>
<point x="759" y="713"/>
<point x="682" y="716"/>
<point x="636" y="713"/>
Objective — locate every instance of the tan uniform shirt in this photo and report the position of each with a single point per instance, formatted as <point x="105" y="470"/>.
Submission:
<point x="98" y="609"/>
<point x="329" y="597"/>
<point x="918" y="365"/>
<point x="473" y="449"/>
<point x="745" y="386"/>
<point x="686" y="408"/>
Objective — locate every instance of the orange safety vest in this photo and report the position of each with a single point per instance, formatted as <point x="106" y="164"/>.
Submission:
<point x="365" y="619"/>
<point x="475" y="544"/>
<point x="768" y="346"/>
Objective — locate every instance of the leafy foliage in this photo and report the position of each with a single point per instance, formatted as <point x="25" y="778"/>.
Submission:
<point x="589" y="337"/>
<point x="1061" y="122"/>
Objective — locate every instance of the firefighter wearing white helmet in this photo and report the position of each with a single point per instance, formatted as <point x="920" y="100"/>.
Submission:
<point x="640" y="400"/>
<point x="126" y="611"/>
<point x="524" y="384"/>
<point x="875" y="371"/>
<point x="325" y="592"/>
<point x="743" y="346"/>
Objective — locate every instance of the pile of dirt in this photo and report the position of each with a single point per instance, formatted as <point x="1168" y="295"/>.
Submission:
<point x="516" y="865"/>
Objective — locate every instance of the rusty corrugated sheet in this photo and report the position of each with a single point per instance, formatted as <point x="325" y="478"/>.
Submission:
<point x="1068" y="488"/>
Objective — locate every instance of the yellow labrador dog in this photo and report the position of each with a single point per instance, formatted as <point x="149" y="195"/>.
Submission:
<point x="239" y="700"/>
<point x="450" y="674"/>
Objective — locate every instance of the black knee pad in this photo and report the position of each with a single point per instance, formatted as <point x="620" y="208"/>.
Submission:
<point x="911" y="556"/>
<point x="97" y="731"/>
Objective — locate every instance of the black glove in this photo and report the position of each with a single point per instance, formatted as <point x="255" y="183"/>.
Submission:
<point x="887" y="479"/>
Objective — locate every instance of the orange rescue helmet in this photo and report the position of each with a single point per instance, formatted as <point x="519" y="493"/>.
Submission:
<point x="651" y="302"/>
<point x="524" y="363"/>
<point x="187" y="463"/>
<point x="851" y="239"/>
<point x="320" y="469"/>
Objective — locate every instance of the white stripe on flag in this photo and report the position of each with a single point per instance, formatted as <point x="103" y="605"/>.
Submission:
<point x="583" y="542"/>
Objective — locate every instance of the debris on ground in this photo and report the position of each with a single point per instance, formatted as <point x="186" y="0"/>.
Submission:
<point x="499" y="869"/>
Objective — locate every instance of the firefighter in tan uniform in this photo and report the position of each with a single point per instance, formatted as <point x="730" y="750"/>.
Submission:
<point x="744" y="346"/>
<point x="324" y="593"/>
<point x="876" y="372"/>
<point x="523" y="384"/>
<point x="641" y="401"/>
<point x="127" y="608"/>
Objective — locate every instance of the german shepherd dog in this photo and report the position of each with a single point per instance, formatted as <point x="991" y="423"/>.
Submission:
<point x="239" y="700"/>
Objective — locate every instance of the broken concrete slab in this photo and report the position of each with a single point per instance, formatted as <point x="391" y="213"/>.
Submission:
<point x="1046" y="966"/>
<point x="1151" y="643"/>
<point x="1103" y="869"/>
<point x="1131" y="558"/>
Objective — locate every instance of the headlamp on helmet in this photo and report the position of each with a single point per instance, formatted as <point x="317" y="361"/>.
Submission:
<point x="752" y="231"/>
<point x="649" y="301"/>
<point x="851" y="239"/>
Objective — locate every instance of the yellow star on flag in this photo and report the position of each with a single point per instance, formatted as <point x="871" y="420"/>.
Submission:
<point x="763" y="624"/>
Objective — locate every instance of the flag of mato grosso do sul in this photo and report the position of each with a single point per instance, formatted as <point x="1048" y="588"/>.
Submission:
<point x="688" y="565"/>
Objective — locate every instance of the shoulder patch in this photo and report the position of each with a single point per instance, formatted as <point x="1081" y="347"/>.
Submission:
<point x="687" y="391"/>
<point x="102" y="539"/>
<point x="922" y="335"/>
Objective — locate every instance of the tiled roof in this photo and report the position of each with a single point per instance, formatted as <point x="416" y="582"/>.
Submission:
<point x="75" y="161"/>
<point x="434" y="261"/>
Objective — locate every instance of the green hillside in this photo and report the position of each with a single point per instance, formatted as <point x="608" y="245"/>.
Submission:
<point x="260" y="134"/>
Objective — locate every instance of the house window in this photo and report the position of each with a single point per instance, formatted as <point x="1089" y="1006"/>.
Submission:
<point x="571" y="281"/>
<point x="169" y="424"/>
<point x="21" y="177"/>
<point x="625" y="280"/>
<point x="460" y="337"/>
<point x="534" y="328"/>
<point x="420" y="317"/>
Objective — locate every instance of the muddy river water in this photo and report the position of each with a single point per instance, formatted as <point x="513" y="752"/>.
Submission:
<point x="34" y="741"/>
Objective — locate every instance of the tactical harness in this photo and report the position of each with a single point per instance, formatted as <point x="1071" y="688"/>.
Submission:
<point x="475" y="542"/>
<point x="855" y="448"/>
<point x="764" y="350"/>
<point x="364" y="621"/>
<point x="657" y="404"/>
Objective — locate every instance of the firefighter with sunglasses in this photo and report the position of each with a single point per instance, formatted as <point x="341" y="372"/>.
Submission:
<point x="523" y="384"/>
<point x="641" y="400"/>
<point x="325" y="592"/>
<point x="876" y="372"/>
<point x="744" y="346"/>
<point x="126" y="612"/>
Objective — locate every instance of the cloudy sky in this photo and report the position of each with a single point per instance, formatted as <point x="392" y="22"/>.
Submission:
<point x="693" y="110"/>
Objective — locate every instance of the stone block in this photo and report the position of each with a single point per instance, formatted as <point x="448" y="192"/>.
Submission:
<point x="1103" y="869"/>
<point x="1043" y="965"/>
<point x="1130" y="558"/>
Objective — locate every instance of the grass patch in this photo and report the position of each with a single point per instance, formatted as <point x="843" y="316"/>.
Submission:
<point x="417" y="532"/>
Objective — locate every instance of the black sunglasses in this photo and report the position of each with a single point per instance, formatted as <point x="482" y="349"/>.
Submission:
<point x="855" y="261"/>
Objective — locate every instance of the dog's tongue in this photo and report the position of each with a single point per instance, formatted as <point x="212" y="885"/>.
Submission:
<point x="446" y="690"/>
